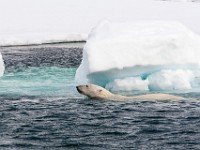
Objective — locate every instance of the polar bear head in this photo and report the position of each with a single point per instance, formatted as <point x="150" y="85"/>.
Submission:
<point x="94" y="91"/>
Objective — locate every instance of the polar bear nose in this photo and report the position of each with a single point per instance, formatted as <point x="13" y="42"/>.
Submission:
<point x="78" y="89"/>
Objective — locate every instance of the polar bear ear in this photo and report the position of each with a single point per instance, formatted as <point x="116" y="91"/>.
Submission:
<point x="100" y="90"/>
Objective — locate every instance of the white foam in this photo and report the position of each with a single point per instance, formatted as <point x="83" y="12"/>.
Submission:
<point x="114" y="52"/>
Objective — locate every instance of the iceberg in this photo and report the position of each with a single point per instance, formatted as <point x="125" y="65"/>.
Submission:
<point x="2" y="67"/>
<point x="145" y="55"/>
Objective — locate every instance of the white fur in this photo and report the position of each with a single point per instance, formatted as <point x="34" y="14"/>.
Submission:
<point x="97" y="92"/>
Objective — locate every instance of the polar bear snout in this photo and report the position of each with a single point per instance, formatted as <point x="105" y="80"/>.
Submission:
<point x="78" y="89"/>
<point x="82" y="89"/>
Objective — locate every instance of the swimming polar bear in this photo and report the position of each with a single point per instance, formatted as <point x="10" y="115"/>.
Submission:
<point x="96" y="92"/>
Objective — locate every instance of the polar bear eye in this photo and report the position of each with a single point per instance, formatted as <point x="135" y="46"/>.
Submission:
<point x="100" y="90"/>
<point x="87" y="86"/>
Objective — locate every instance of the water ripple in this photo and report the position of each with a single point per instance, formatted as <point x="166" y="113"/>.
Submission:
<point x="87" y="124"/>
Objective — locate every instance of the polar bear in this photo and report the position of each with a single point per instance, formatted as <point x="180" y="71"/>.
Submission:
<point x="96" y="92"/>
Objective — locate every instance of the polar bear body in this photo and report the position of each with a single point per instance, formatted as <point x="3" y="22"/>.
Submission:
<point x="96" y="92"/>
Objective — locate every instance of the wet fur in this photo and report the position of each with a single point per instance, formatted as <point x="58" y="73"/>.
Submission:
<point x="96" y="92"/>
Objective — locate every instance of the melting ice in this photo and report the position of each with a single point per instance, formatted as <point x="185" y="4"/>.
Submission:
<point x="154" y="55"/>
<point x="2" y="67"/>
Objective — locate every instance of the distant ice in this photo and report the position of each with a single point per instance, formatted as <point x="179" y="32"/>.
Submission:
<point x="146" y="55"/>
<point x="41" y="38"/>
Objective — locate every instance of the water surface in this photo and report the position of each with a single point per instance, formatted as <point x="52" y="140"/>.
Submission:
<point x="41" y="109"/>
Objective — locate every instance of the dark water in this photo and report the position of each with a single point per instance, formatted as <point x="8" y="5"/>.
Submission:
<point x="41" y="109"/>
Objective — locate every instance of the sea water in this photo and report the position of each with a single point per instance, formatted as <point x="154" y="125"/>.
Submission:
<point x="41" y="109"/>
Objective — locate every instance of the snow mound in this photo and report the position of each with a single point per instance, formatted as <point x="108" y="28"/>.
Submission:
<point x="171" y="80"/>
<point x="128" y="84"/>
<point x="133" y="51"/>
<point x="160" y="81"/>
